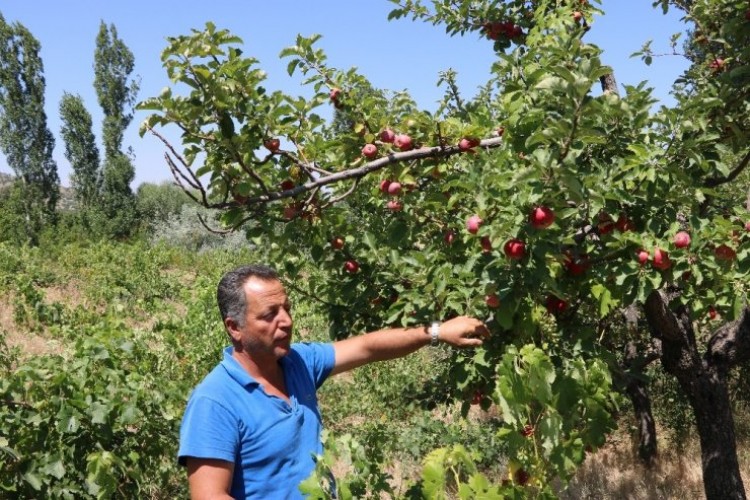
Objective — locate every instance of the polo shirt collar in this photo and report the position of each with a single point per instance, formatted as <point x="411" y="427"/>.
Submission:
<point x="235" y="369"/>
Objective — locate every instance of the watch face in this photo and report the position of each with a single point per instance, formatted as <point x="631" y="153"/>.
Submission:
<point x="434" y="333"/>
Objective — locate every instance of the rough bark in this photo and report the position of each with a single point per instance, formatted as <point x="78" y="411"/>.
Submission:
<point x="704" y="380"/>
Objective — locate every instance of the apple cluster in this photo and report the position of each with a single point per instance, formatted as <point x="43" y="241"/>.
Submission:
<point x="498" y="30"/>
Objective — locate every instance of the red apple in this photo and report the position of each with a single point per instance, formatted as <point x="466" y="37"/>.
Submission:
<point x="712" y="312"/>
<point x="388" y="135"/>
<point x="606" y="227"/>
<point x="473" y="223"/>
<point x="624" y="224"/>
<point x="384" y="185"/>
<point x="527" y="431"/>
<point x="661" y="259"/>
<point x="522" y="477"/>
<point x="351" y="266"/>
<point x="394" y="206"/>
<point x="555" y="305"/>
<point x="577" y="265"/>
<point x="337" y="242"/>
<point x="643" y="256"/>
<point x="290" y="212"/>
<point x="492" y="30"/>
<point x="369" y="151"/>
<point x="717" y="64"/>
<point x="682" y="239"/>
<point x="515" y="249"/>
<point x="449" y="237"/>
<point x="492" y="301"/>
<point x="577" y="16"/>
<point x="725" y="252"/>
<point x="467" y="144"/>
<point x="477" y="397"/>
<point x="542" y="217"/>
<point x="403" y="142"/>
<point x="486" y="244"/>
<point x="334" y="94"/>
<point x="287" y="185"/>
<point x="272" y="144"/>
<point x="394" y="188"/>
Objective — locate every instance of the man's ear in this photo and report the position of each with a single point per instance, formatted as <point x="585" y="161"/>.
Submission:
<point x="233" y="329"/>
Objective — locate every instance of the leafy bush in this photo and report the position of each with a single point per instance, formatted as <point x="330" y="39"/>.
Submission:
<point x="185" y="230"/>
<point x="158" y="202"/>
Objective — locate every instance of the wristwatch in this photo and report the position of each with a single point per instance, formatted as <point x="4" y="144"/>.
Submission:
<point x="434" y="333"/>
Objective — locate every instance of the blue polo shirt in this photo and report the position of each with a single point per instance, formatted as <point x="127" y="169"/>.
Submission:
<point x="272" y="443"/>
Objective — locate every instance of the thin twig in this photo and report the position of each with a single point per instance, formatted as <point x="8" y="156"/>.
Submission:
<point x="341" y="197"/>
<point x="212" y="230"/>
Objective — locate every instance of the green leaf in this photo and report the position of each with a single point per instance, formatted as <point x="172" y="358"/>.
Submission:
<point x="33" y="480"/>
<point x="606" y="303"/>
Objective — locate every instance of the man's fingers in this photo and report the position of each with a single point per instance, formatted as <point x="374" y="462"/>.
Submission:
<point x="472" y="342"/>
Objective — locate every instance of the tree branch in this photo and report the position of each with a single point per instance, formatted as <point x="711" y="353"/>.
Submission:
<point x="730" y="343"/>
<point x="716" y="181"/>
<point x="380" y="163"/>
<point x="326" y="177"/>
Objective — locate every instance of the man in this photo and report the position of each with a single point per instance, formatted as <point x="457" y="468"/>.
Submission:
<point x="252" y="426"/>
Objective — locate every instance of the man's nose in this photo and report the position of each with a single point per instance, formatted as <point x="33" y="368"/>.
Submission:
<point x="285" y="318"/>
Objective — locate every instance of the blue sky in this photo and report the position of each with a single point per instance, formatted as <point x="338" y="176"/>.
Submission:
<point x="395" y="55"/>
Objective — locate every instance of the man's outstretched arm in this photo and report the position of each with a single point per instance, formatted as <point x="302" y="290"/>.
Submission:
<point x="397" y="342"/>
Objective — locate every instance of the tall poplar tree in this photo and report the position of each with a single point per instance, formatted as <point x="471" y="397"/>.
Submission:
<point x="116" y="92"/>
<point x="24" y="137"/>
<point x="81" y="150"/>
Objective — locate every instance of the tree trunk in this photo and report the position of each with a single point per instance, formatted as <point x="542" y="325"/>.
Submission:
<point x="638" y="393"/>
<point x="636" y="360"/>
<point x="704" y="380"/>
<point x="709" y="397"/>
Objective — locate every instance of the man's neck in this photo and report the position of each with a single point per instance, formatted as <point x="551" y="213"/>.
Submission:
<point x="267" y="371"/>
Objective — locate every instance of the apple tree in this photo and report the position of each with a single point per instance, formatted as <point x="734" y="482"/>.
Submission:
<point x="575" y="218"/>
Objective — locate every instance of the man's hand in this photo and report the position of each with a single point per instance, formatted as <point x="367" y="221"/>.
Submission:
<point x="463" y="331"/>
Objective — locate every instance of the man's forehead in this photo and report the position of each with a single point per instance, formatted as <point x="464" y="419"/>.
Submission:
<point x="264" y="290"/>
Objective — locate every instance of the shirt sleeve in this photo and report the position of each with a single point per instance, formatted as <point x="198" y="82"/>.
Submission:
<point x="208" y="430"/>
<point x="319" y="359"/>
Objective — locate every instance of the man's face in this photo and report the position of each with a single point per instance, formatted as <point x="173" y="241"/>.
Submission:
<point x="268" y="323"/>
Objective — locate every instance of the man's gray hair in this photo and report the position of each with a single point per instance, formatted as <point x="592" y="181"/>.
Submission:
<point x="230" y="293"/>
